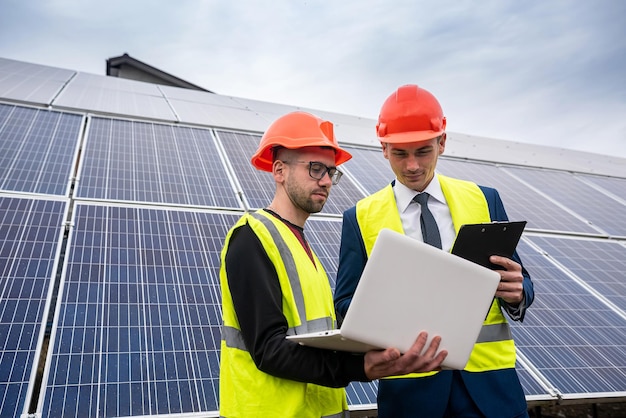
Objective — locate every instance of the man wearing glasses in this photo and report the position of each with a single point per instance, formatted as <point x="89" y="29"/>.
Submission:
<point x="273" y="285"/>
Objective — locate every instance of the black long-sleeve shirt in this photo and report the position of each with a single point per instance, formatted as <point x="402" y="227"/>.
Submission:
<point x="257" y="298"/>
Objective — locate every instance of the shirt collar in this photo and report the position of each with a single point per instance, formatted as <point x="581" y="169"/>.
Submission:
<point x="404" y="195"/>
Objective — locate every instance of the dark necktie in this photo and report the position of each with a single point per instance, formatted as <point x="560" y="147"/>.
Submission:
<point x="430" y="231"/>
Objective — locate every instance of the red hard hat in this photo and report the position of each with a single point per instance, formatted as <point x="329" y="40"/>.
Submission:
<point x="410" y="114"/>
<point x="297" y="130"/>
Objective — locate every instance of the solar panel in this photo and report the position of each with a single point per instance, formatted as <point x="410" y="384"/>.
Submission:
<point x="31" y="82"/>
<point x="604" y="214"/>
<point x="258" y="186"/>
<point x="533" y="388"/>
<point x="613" y="185"/>
<point x="369" y="168"/>
<point x="214" y="110"/>
<point x="569" y="335"/>
<point x="115" y="95"/>
<point x="37" y="149"/>
<point x="30" y="237"/>
<point x="155" y="163"/>
<point x="136" y="330"/>
<point x="521" y="202"/>
<point x="600" y="264"/>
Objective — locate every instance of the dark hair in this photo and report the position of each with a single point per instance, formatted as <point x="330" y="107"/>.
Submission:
<point x="275" y="150"/>
<point x="278" y="148"/>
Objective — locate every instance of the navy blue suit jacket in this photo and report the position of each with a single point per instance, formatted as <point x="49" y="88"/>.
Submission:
<point x="496" y="393"/>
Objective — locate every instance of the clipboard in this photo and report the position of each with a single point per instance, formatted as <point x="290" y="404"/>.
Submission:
<point x="477" y="242"/>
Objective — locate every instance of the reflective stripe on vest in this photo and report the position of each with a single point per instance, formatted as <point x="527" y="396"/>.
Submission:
<point x="494" y="332"/>
<point x="494" y="348"/>
<point x="233" y="336"/>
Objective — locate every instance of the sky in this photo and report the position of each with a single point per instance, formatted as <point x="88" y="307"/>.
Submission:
<point x="535" y="71"/>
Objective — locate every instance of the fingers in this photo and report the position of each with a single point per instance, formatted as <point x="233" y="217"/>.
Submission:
<point x="507" y="263"/>
<point x="381" y="363"/>
<point x="428" y="361"/>
<point x="511" y="286"/>
<point x="390" y="363"/>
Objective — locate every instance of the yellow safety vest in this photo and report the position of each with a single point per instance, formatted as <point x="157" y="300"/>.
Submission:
<point x="495" y="348"/>
<point x="245" y="391"/>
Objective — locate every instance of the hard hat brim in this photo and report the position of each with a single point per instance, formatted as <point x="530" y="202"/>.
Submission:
<point x="408" y="137"/>
<point x="263" y="160"/>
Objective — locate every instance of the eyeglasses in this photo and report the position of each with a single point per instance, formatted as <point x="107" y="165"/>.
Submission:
<point x="317" y="170"/>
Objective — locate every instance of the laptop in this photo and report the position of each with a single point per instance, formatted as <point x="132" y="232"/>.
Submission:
<point x="407" y="287"/>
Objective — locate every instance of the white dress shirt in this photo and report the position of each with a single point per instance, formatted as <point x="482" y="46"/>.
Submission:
<point x="410" y="212"/>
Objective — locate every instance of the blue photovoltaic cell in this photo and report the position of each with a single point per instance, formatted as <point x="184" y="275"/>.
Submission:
<point x="600" y="264"/>
<point x="370" y="168"/>
<point x="521" y="202"/>
<point x="573" y="339"/>
<point x="324" y="237"/>
<point x="258" y="186"/>
<point x="138" y="323"/>
<point x="614" y="185"/>
<point x="155" y="163"/>
<point x="532" y="388"/>
<point x="600" y="210"/>
<point x="30" y="232"/>
<point x="37" y="149"/>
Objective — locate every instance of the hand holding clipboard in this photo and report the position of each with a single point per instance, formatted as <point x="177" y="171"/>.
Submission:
<point x="478" y="242"/>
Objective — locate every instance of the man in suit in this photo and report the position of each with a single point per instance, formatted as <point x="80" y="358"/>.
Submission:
<point x="427" y="206"/>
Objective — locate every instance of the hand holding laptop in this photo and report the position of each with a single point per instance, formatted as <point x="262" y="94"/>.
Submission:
<point x="456" y="296"/>
<point x="390" y="362"/>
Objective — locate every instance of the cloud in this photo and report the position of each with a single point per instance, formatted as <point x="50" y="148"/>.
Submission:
<point x="533" y="71"/>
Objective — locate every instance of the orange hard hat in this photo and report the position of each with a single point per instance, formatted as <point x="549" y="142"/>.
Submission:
<point x="297" y="130"/>
<point x="410" y="114"/>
